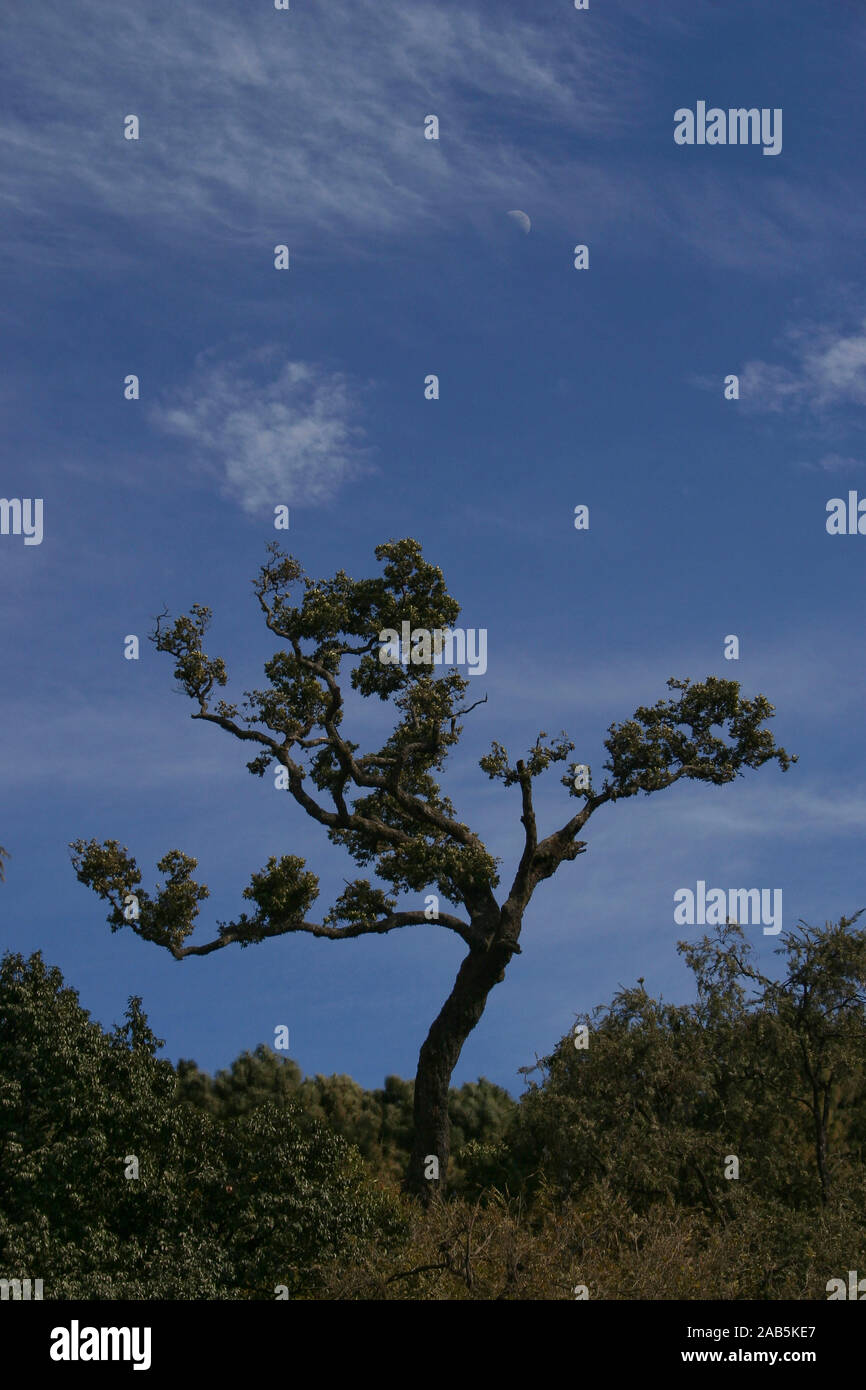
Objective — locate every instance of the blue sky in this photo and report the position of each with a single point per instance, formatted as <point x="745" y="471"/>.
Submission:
<point x="306" y="387"/>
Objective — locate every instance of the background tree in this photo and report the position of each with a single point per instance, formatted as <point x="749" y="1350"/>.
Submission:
<point x="385" y="806"/>
<point x="808" y="1036"/>
<point x="222" y="1207"/>
<point x="253" y="1079"/>
<point x="772" y="1071"/>
<point x="378" y="1122"/>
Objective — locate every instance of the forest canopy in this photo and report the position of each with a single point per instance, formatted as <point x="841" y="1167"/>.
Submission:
<point x="706" y="1150"/>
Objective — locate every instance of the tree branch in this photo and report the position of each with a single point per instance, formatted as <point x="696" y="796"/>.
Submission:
<point x="386" y="924"/>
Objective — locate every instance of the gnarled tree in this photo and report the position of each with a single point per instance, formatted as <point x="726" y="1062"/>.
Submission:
<point x="385" y="806"/>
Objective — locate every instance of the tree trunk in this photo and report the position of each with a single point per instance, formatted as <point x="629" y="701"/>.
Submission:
<point x="481" y="969"/>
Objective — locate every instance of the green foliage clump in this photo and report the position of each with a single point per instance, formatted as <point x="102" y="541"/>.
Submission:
<point x="379" y="1123"/>
<point x="223" y="1206"/>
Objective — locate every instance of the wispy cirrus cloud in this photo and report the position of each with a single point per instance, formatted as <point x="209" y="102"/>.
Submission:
<point x="253" y="120"/>
<point x="274" y="431"/>
<point x="827" y="366"/>
<point x="834" y="463"/>
<point x="306" y="126"/>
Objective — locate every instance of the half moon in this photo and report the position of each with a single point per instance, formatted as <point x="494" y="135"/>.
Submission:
<point x="521" y="219"/>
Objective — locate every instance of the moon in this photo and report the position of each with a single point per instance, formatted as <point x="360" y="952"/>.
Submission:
<point x="521" y="219"/>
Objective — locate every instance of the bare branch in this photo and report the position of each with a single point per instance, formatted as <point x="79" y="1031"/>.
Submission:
<point x="389" y="923"/>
